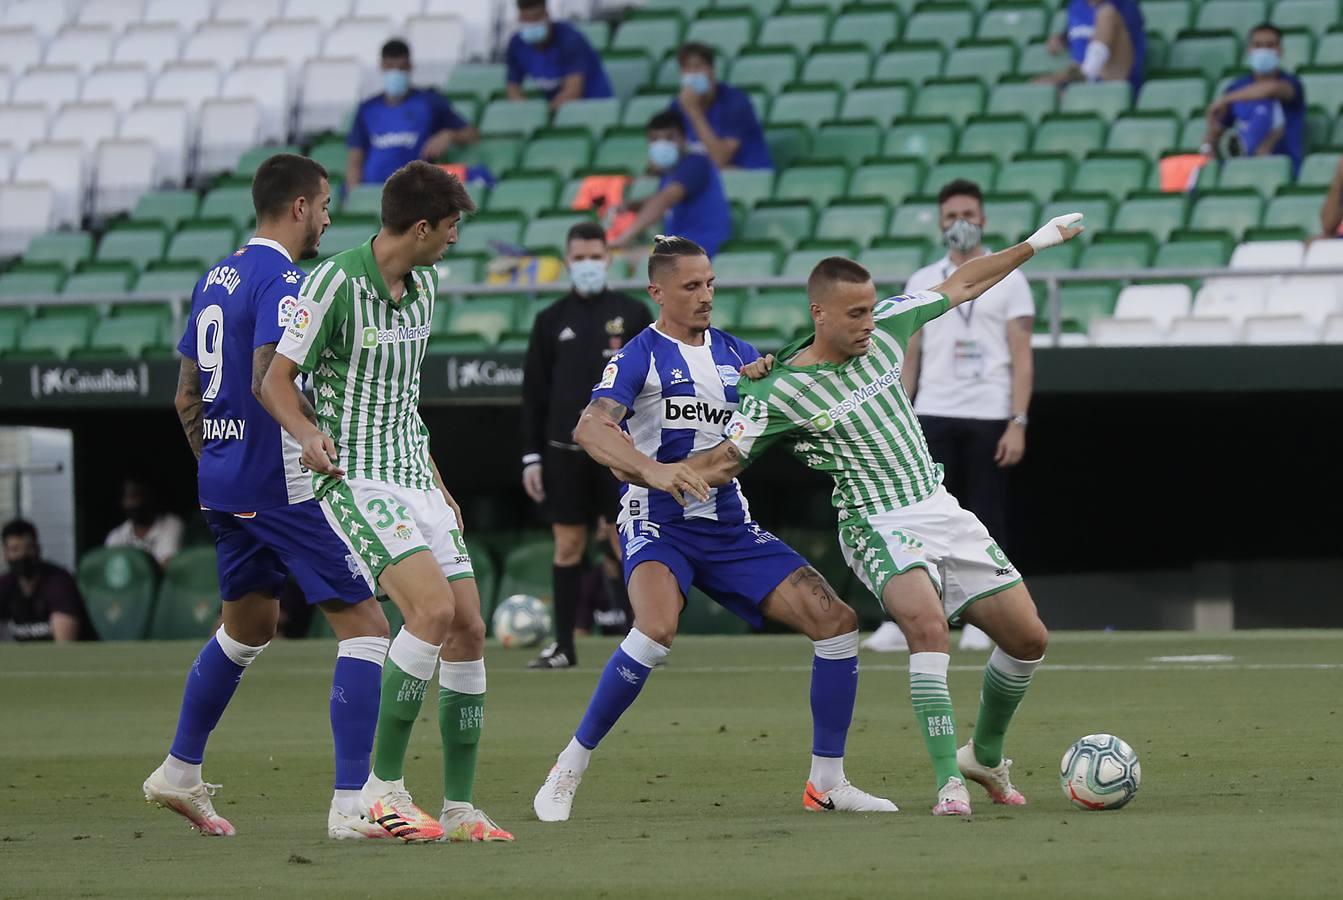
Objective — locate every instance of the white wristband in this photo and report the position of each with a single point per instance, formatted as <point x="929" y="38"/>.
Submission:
<point x="1051" y="233"/>
<point x="531" y="459"/>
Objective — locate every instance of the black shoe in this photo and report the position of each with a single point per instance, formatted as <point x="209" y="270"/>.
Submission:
<point x="553" y="658"/>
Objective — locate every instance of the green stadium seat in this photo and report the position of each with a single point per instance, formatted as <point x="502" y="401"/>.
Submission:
<point x="844" y="65"/>
<point x="851" y="141"/>
<point x="1299" y="210"/>
<point x="957" y="99"/>
<point x="129" y="333"/>
<point x="783" y="221"/>
<point x="598" y="33"/>
<point x="622" y="150"/>
<point x="801" y="261"/>
<point x="727" y="301"/>
<point x="784" y="309"/>
<point x="363" y="199"/>
<point x="347" y="234"/>
<point x="331" y="155"/>
<point x="1073" y="133"/>
<point x="787" y="143"/>
<point x="982" y="170"/>
<point x="67" y="249"/>
<point x="171" y="280"/>
<point x="804" y="106"/>
<point x="188" y="601"/>
<point x="745" y="264"/>
<point x="1119" y="174"/>
<point x="119" y="585"/>
<point x="488" y="317"/>
<point x="1151" y="134"/>
<point x="1080" y="302"/>
<point x="1020" y="23"/>
<point x="483" y="230"/>
<point x="524" y="192"/>
<point x="249" y="161"/>
<point x="1035" y="59"/>
<point x="1323" y="86"/>
<point x="727" y="31"/>
<point x="917" y="217"/>
<point x="480" y="79"/>
<point x="1318" y="169"/>
<point x="910" y="63"/>
<point x="767" y="67"/>
<point x="562" y="150"/>
<point x="1167" y="17"/>
<point x="29" y="280"/>
<point x="891" y="180"/>
<point x="1059" y="259"/>
<point x="655" y="32"/>
<point x="1210" y="52"/>
<point x="1231" y="210"/>
<point x="858" y="220"/>
<point x="878" y="102"/>
<point x="203" y="242"/>
<point x="499" y="153"/>
<point x="1152" y="213"/>
<point x="1192" y="254"/>
<point x="988" y="61"/>
<point x="748" y="186"/>
<point x="1298" y="47"/>
<point x="1307" y="14"/>
<point x="514" y="117"/>
<point x="57" y="336"/>
<point x="1012" y="215"/>
<point x="872" y="25"/>
<point x="459" y="343"/>
<point x="1119" y="252"/>
<point x="168" y="207"/>
<point x="1265" y="174"/>
<point x="1002" y="137"/>
<point x="927" y="139"/>
<point x="1040" y="176"/>
<point x="1107" y="99"/>
<point x="638" y="110"/>
<point x="12" y="320"/>
<point x="946" y="24"/>
<point x="666" y="77"/>
<point x="1033" y="101"/>
<point x="139" y="246"/>
<point x="1185" y="97"/>
<point x="687" y="8"/>
<point x="894" y="261"/>
<point x="816" y="184"/>
<point x="232" y="203"/>
<point x="551" y="229"/>
<point x="100" y="279"/>
<point x="1098" y="210"/>
<point x="794" y="30"/>
<point x="594" y="115"/>
<point x="1232" y="15"/>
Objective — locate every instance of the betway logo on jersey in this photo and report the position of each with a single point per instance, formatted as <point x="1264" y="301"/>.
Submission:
<point x="226" y="277"/>
<point x="826" y="420"/>
<point x="372" y="337"/>
<point x="392" y="139"/>
<point x="223" y="429"/>
<point x="692" y="412"/>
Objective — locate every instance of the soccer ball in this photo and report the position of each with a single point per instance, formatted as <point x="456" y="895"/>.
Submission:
<point x="1100" y="771"/>
<point x="521" y="621"/>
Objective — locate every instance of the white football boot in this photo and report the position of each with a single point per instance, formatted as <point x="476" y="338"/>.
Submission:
<point x="556" y="796"/>
<point x="192" y="803"/>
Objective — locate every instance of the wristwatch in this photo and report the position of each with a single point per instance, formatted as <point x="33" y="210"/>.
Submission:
<point x="1019" y="419"/>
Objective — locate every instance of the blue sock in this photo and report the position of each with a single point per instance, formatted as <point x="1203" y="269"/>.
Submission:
<point x="621" y="681"/>
<point x="356" y="689"/>
<point x="834" y="688"/>
<point x="210" y="685"/>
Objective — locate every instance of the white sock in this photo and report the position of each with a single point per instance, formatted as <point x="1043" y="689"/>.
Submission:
<point x="575" y="756"/>
<point x="369" y="649"/>
<point x="415" y="657"/>
<point x="347" y="802"/>
<point x="181" y="774"/>
<point x="463" y="677"/>
<point x="643" y="649"/>
<point x="241" y="654"/>
<point x="827" y="772"/>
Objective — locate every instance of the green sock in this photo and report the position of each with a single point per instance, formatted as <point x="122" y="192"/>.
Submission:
<point x="460" y="718"/>
<point x="402" y="697"/>
<point x="1005" y="683"/>
<point x="932" y="709"/>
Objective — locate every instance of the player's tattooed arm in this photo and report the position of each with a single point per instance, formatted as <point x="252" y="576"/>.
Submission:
<point x="600" y="434"/>
<point x="190" y="405"/>
<point x="261" y="358"/>
<point x="718" y="465"/>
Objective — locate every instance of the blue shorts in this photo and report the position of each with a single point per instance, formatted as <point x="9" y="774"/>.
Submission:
<point x="736" y="565"/>
<point x="258" y="551"/>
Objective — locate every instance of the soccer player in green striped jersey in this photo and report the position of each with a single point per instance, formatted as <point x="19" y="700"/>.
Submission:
<point x="835" y="400"/>
<point x="360" y="328"/>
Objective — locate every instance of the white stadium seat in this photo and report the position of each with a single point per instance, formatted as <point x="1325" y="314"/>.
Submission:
<point x="1121" y="332"/>
<point x="1277" y="330"/>
<point x="268" y="83"/>
<point x="329" y="90"/>
<point x="1233" y="298"/>
<point x="1332" y="332"/>
<point x="49" y="85"/>
<point x="184" y="15"/>
<point x="24" y="124"/>
<point x="8" y="156"/>
<point x="45" y="16"/>
<point x="86" y="124"/>
<point x="219" y="43"/>
<point x="20" y="48"/>
<point x="399" y="11"/>
<point x="255" y="13"/>
<point x="1314" y="298"/>
<point x="152" y="46"/>
<point x="25" y="211"/>
<point x="1161" y="303"/>
<point x="360" y="39"/>
<point x="121" y="84"/>
<point x="58" y="164"/>
<point x="1202" y="331"/>
<point x="1326" y="253"/>
<point x="436" y="46"/>
<point x="1268" y="255"/>
<point x="82" y="47"/>
<point x="6" y="82"/>
<point x="325" y="11"/>
<point x="165" y="125"/>
<point x="228" y="128"/>
<point x="115" y="14"/>
<point x="125" y="169"/>
<point x="480" y="19"/>
<point x="191" y="83"/>
<point x="294" y="41"/>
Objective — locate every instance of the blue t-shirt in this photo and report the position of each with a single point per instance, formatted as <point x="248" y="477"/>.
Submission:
<point x="392" y="135"/>
<point x="732" y="115"/>
<point x="703" y="215"/>
<point x="1254" y="119"/>
<point x="566" y="52"/>
<point x="248" y="462"/>
<point x="1082" y="27"/>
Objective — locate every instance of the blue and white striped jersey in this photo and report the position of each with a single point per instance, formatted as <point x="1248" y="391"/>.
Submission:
<point x="679" y="399"/>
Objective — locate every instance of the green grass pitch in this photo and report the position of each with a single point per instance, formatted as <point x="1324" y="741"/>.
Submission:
<point x="697" y="792"/>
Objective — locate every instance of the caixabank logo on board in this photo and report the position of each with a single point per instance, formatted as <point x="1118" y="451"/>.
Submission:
<point x="464" y="374"/>
<point x="75" y="381"/>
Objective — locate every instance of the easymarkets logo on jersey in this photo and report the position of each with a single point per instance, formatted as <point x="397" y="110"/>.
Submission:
<point x="372" y="337"/>
<point x="859" y="397"/>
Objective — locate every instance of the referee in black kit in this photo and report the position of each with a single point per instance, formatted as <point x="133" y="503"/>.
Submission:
<point x="572" y="341"/>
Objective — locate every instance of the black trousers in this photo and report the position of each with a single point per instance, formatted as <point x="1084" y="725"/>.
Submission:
<point x="965" y="448"/>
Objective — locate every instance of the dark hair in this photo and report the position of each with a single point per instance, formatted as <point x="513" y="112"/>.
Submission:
<point x="585" y="231"/>
<point x="667" y="248"/>
<point x="667" y="120"/>
<point x="961" y="187"/>
<point x="18" y="528"/>
<point x="1268" y="26"/>
<point x="531" y="4"/>
<point x="281" y="180"/>
<point x="420" y="191"/>
<point x="696" y="50"/>
<point x="396" y="49"/>
<point x="833" y="269"/>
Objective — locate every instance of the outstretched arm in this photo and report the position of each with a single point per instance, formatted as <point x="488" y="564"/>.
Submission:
<point x="599" y="434"/>
<point x="979" y="274"/>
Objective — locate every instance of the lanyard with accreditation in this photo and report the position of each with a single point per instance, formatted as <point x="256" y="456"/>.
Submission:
<point x="967" y="356"/>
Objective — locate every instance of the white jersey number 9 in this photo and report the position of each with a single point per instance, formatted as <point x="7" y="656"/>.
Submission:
<point x="210" y="348"/>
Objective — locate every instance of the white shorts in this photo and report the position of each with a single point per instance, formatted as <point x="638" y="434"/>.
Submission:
<point x="384" y="523"/>
<point x="937" y="535"/>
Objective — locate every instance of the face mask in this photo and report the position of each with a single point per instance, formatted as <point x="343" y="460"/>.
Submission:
<point x="663" y="154"/>
<point x="588" y="276"/>
<point x="534" y="33"/>
<point x="696" y="81"/>
<point x="24" y="566"/>
<point x="962" y="235"/>
<point x="395" y="82"/>
<point x="1264" y="60"/>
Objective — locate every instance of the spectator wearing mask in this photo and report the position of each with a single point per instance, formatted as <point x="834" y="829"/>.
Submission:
<point x="970" y="375"/>
<point x="572" y="341"/>
<point x="690" y="201"/>
<point x="147" y="526"/>
<point x="1267" y="107"/>
<point x="555" y="57"/>
<point x="401" y="124"/>
<point x="39" y="601"/>
<point x="1106" y="40"/>
<point x="718" y="118"/>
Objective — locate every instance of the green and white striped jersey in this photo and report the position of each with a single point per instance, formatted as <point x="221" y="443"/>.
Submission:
<point x="852" y="421"/>
<point x="364" y="352"/>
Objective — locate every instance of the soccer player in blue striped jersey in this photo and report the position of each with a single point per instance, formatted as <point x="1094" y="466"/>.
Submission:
<point x="669" y="393"/>
<point x="258" y="501"/>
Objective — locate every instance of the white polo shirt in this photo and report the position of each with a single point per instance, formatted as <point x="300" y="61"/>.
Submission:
<point x="965" y="371"/>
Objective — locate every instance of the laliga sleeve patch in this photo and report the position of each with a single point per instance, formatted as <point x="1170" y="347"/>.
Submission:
<point x="609" y="376"/>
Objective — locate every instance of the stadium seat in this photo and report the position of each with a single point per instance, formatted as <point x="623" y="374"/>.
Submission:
<point x="167" y="280"/>
<point x="851" y="141"/>
<point x="509" y="117"/>
<point x="20" y="47"/>
<point x="1161" y="303"/>
<point x="54" y="336"/>
<point x="622" y="150"/>
<point x="230" y="202"/>
<point x="1012" y="215"/>
<point x="1002" y="137"/>
<point x="638" y="110"/>
<point x="1304" y="13"/>
<point x="562" y="150"/>
<point x="1149" y="133"/>
<point x="874" y="26"/>
<point x="597" y="31"/>
<point x="151" y="45"/>
<point x="1231" y="15"/>
<point x="25" y="125"/>
<point x="778" y="308"/>
<point x="1332" y="332"/>
<point x="188" y="600"/>
<point x="1264" y="174"/>
<point x="100" y="279"/>
<point x="551" y="229"/>
<point x="1283" y="330"/>
<point x="439" y="43"/>
<point x="895" y="261"/>
<point x="28" y="281"/>
<point x="1268" y="255"/>
<point x="121" y="84"/>
<point x="594" y="115"/>
<point x="917" y="217"/>
<point x="291" y="41"/>
<point x="726" y="31"/>
<point x="744" y="265"/>
<point x="794" y="30"/>
<point x="911" y="63"/>
<point x="488" y="317"/>
<point x="957" y="99"/>
<point x="817" y="184"/>
<point x="1313" y="297"/>
<point x="1039" y="175"/>
<point x="761" y="66"/>
<point x="1185" y="97"/>
<point x="227" y="128"/>
<point x="139" y="245"/>
<point x="49" y="86"/>
<point x="858" y="220"/>
<point x="1323" y="85"/>
<point x="982" y="170"/>
<point x="1231" y="298"/>
<point x="1202" y="331"/>
<point x="1153" y="213"/>
<point x="1191" y="254"/>
<point x="656" y="32"/>
<point x="478" y="78"/>
<point x="81" y="47"/>
<point x="346" y="234"/>
<point x="1119" y="174"/>
<point x="926" y="139"/>
<point x="25" y="210"/>
<point x="524" y="192"/>
<point x="1105" y="331"/>
<point x="1033" y="101"/>
<point x="1080" y="302"/>
<point x="1211" y="52"/>
<point x="329" y="89"/>
<point x="748" y="186"/>
<point x="947" y="24"/>
<point x="86" y="124"/>
<point x="165" y="126"/>
<point x="352" y="38"/>
<point x="268" y="84"/>
<point x="1118" y="252"/>
<point x="1325" y="255"/>
<point x="119" y="585"/>
<point x="219" y="43"/>
<point x="1036" y="60"/>
<point x="1233" y="211"/>
<point x="1167" y="17"/>
<point x="128" y="334"/>
<point x="59" y="164"/>
<point x="1020" y="23"/>
<point x="1072" y="133"/>
<point x="202" y="243"/>
<point x="66" y="248"/>
<point x="1318" y="169"/>
<point x="804" y="106"/>
<point x="988" y="61"/>
<point x="844" y="64"/>
<point x="892" y="180"/>
<point x="781" y="221"/>
<point x="1107" y="99"/>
